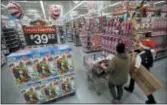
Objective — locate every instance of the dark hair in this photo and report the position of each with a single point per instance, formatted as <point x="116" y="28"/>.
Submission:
<point x="120" y="48"/>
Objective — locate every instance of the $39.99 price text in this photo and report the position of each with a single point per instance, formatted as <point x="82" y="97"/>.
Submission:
<point x="42" y="39"/>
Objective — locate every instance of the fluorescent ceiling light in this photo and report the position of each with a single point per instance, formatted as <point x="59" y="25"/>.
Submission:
<point x="112" y="5"/>
<point x="79" y="4"/>
<point x="43" y="9"/>
<point x="159" y="2"/>
<point x="4" y="6"/>
<point x="74" y="12"/>
<point x="105" y="14"/>
<point x="76" y="2"/>
<point x="27" y="1"/>
<point x="32" y="10"/>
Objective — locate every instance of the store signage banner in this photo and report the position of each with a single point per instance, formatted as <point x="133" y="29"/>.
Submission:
<point x="40" y="35"/>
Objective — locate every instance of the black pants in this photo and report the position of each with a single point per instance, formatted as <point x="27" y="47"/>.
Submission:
<point x="116" y="94"/>
<point x="131" y="87"/>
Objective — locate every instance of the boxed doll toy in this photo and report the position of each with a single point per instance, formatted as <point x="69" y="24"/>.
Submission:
<point x="38" y="72"/>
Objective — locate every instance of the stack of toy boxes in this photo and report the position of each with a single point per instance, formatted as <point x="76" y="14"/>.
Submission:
<point x="43" y="74"/>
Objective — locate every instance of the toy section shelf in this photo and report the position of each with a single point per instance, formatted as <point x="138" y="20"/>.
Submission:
<point x="43" y="74"/>
<point x="69" y="31"/>
<point x="90" y="34"/>
<point x="11" y="39"/>
<point x="116" y="30"/>
<point x="4" y="50"/>
<point x="157" y="27"/>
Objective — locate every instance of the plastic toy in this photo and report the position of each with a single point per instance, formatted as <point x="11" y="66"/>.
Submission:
<point x="42" y="68"/>
<point x="20" y="73"/>
<point x="30" y="96"/>
<point x="49" y="91"/>
<point x="69" y="60"/>
<point x="39" y="92"/>
<point x="66" y="86"/>
<point x="42" y="77"/>
<point x="62" y="64"/>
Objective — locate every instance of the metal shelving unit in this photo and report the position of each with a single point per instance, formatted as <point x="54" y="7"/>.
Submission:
<point x="11" y="39"/>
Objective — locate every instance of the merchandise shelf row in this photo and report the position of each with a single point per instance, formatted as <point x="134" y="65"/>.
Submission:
<point x="43" y="73"/>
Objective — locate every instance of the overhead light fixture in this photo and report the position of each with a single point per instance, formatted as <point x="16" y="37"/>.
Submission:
<point x="27" y="1"/>
<point x="105" y="14"/>
<point x="4" y="6"/>
<point x="76" y="2"/>
<point x="43" y="9"/>
<point x="32" y="10"/>
<point x="159" y="2"/>
<point x="79" y="4"/>
<point x="112" y="5"/>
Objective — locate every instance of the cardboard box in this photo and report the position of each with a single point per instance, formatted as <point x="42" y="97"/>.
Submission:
<point x="146" y="80"/>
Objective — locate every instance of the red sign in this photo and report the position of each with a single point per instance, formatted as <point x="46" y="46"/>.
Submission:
<point x="34" y="30"/>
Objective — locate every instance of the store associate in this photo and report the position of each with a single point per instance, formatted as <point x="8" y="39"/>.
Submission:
<point x="145" y="52"/>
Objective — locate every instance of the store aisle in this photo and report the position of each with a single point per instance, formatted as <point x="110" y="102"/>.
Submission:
<point x="11" y="94"/>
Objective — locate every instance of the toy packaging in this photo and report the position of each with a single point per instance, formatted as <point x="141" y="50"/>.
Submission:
<point x="38" y="72"/>
<point x="20" y="73"/>
<point x="30" y="95"/>
<point x="52" y="89"/>
<point x="67" y="84"/>
<point x="41" y="68"/>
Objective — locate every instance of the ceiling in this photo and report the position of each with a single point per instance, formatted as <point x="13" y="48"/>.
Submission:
<point x="35" y="5"/>
<point x="66" y="5"/>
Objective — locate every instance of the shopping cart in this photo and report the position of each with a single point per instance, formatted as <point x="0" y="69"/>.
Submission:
<point x="96" y="75"/>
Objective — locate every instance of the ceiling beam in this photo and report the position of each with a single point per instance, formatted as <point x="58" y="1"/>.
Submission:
<point x="43" y="9"/>
<point x="159" y="2"/>
<point x="3" y="5"/>
<point x="76" y="6"/>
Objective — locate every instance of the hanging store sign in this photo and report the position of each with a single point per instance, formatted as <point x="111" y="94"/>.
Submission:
<point x="35" y="35"/>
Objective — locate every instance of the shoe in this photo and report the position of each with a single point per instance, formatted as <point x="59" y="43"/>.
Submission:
<point x="115" y="102"/>
<point x="150" y="102"/>
<point x="128" y="89"/>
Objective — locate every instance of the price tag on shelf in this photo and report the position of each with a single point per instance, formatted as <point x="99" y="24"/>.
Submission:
<point x="35" y="35"/>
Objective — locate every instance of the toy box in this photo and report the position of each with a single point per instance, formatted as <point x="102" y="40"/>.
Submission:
<point x="67" y="84"/>
<point x="39" y="72"/>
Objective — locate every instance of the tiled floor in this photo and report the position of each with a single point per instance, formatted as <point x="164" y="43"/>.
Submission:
<point x="11" y="94"/>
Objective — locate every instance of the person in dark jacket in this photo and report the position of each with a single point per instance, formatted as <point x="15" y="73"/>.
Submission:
<point x="145" y="58"/>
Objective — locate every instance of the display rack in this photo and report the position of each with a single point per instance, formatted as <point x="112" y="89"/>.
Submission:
<point x="11" y="39"/>
<point x="91" y="34"/>
<point x="159" y="35"/>
<point x="117" y="30"/>
<point x="78" y="25"/>
<point x="4" y="50"/>
<point x="77" y="41"/>
<point x="20" y="32"/>
<point x="44" y="73"/>
<point x="69" y="31"/>
<point x="157" y="26"/>
<point x="61" y="34"/>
